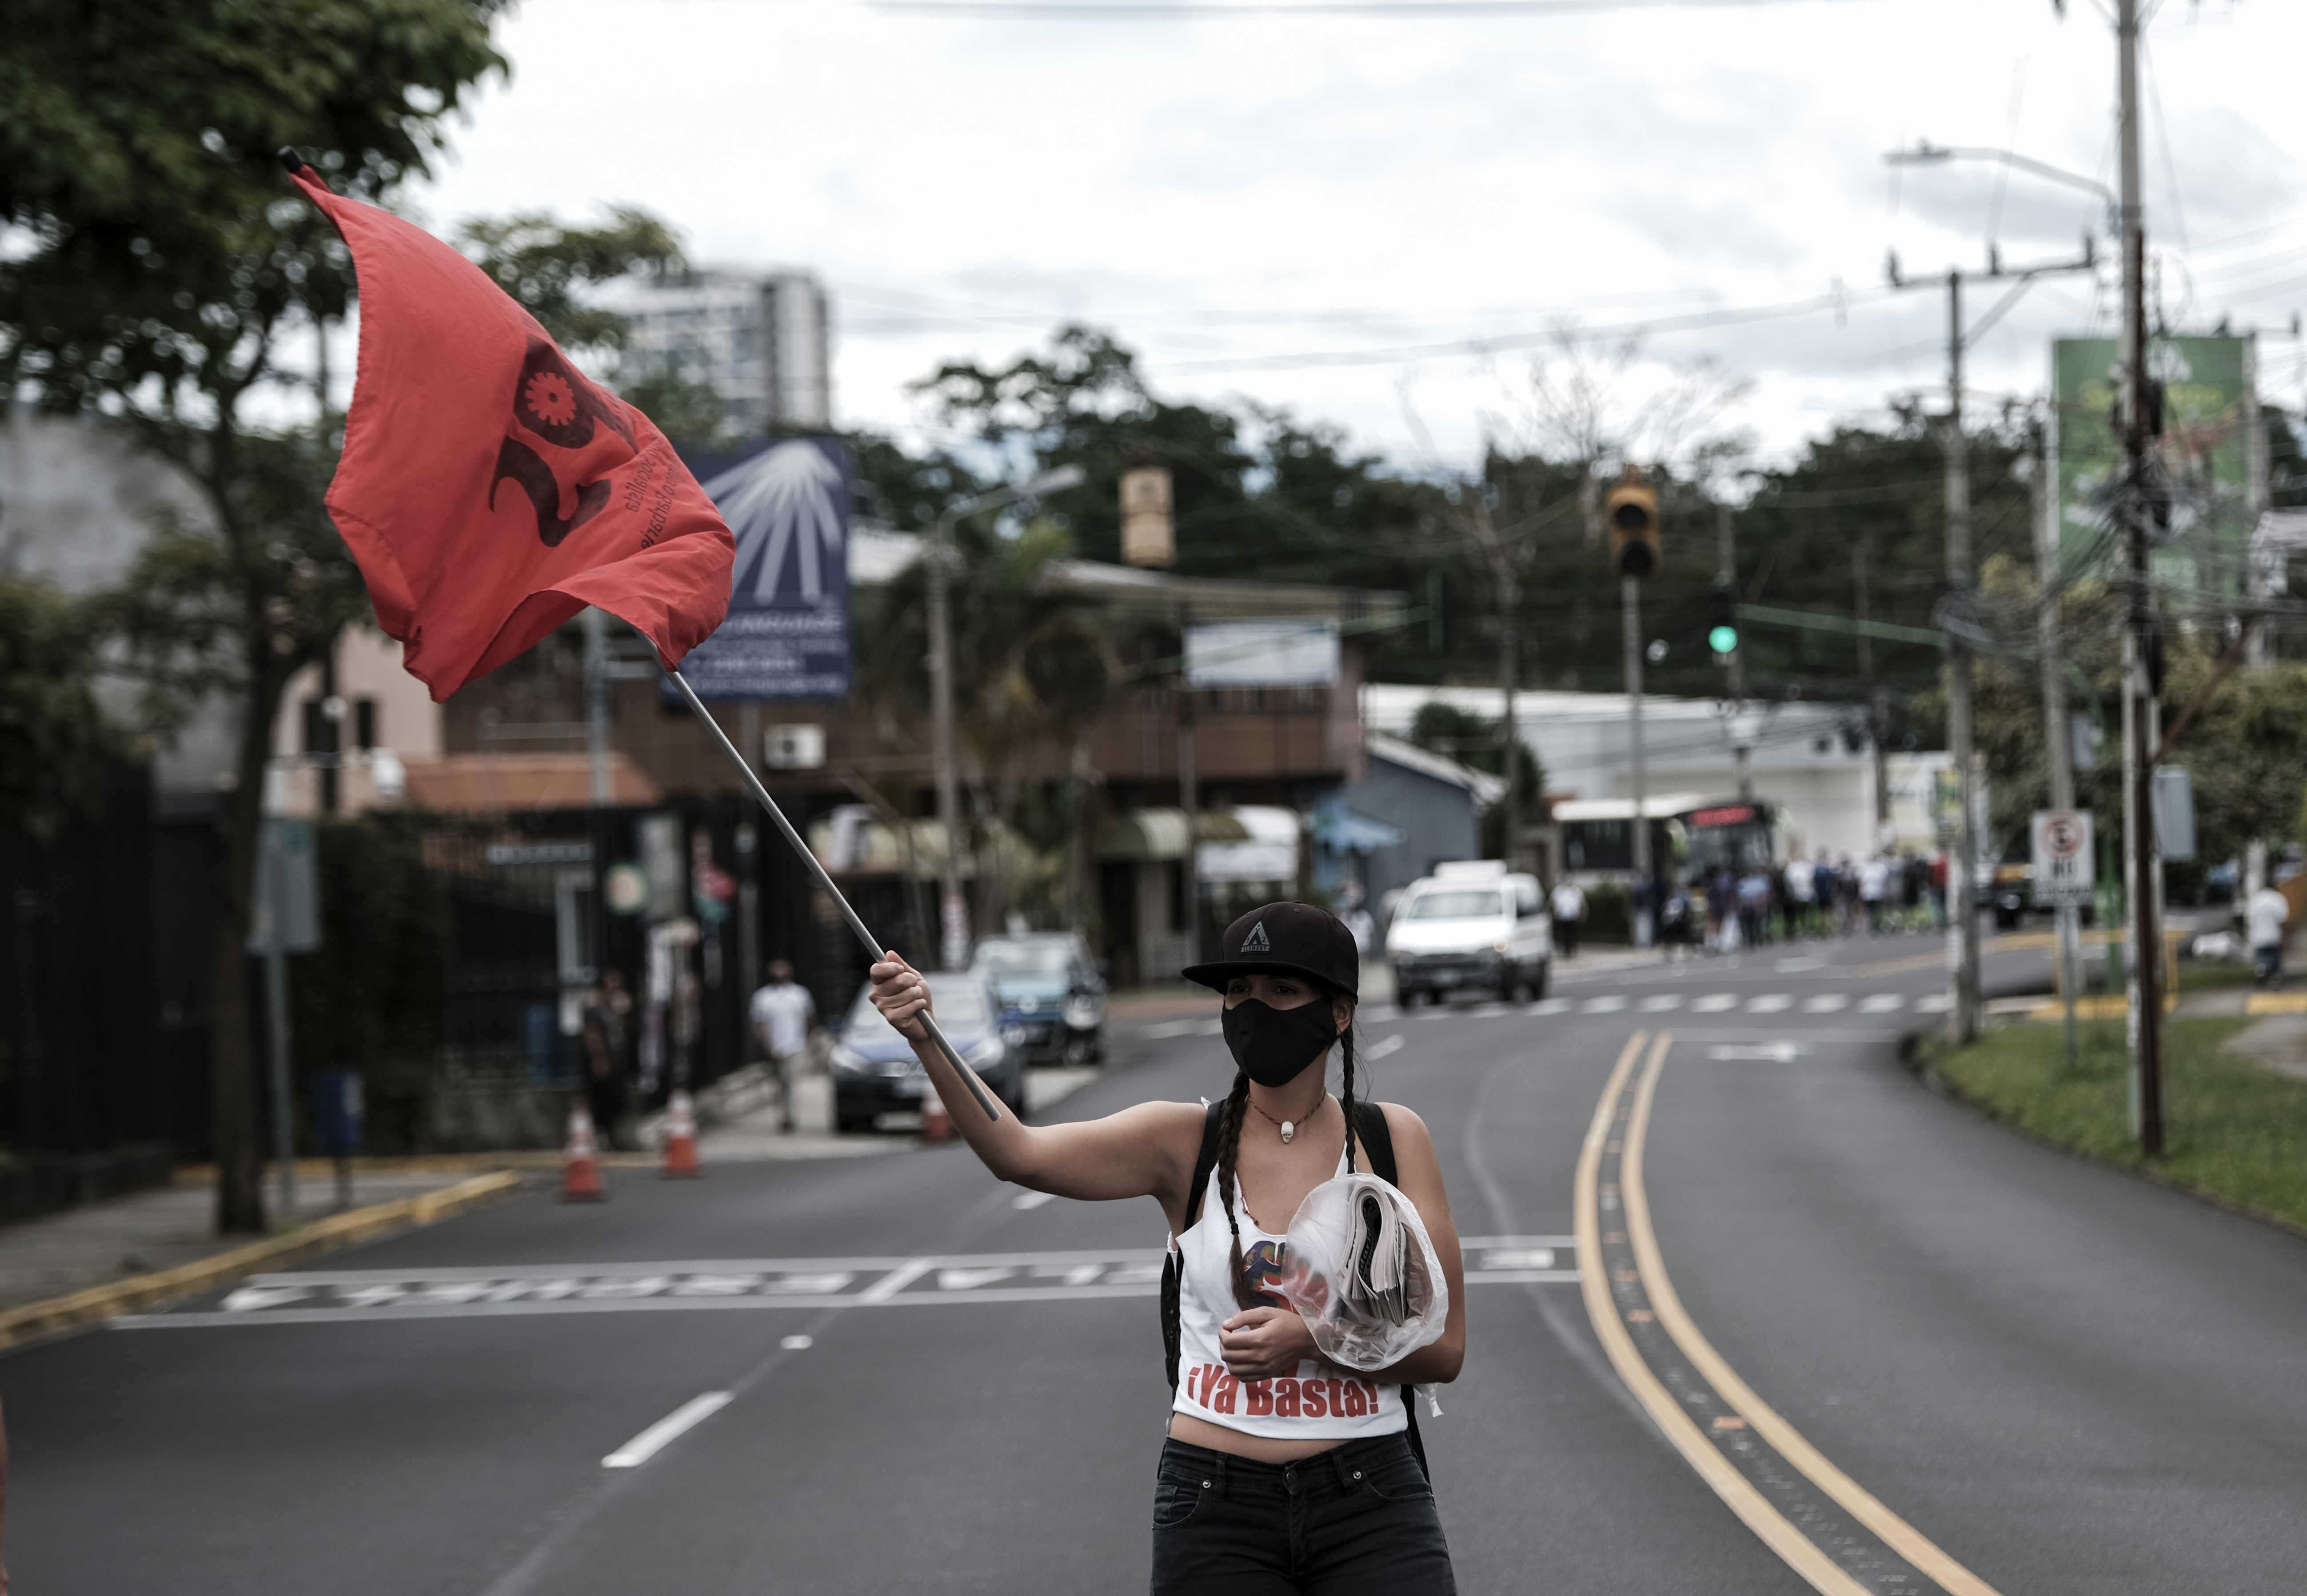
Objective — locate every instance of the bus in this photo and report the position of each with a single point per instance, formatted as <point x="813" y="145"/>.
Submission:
<point x="1691" y="836"/>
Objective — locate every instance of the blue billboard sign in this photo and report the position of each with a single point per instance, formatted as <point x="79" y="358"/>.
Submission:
<point x="786" y="636"/>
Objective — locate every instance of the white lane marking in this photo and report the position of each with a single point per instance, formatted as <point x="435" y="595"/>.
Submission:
<point x="1882" y="1002"/>
<point x="896" y="1280"/>
<point x="1826" y="1003"/>
<point x="1550" y="1006"/>
<point x="1383" y="1046"/>
<point x="1933" y="1003"/>
<point x="1769" y="1002"/>
<point x="1167" y="1030"/>
<point x="657" y="1437"/>
<point x="1487" y="1011"/>
<point x="1778" y="1052"/>
<point x="1661" y="1003"/>
<point x="1795" y="966"/>
<point x="1715" y="1003"/>
<point x="1018" y="1277"/>
<point x="1603" y="1005"/>
<point x="1025" y="1201"/>
<point x="798" y="1344"/>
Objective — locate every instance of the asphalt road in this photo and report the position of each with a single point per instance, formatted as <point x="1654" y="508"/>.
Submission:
<point x="911" y="1379"/>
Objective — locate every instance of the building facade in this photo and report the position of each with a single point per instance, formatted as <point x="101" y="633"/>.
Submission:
<point x="763" y="341"/>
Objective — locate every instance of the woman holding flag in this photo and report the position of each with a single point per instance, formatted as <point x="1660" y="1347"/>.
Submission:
<point x="1282" y="1471"/>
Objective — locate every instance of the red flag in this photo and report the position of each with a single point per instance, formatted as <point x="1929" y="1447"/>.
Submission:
<point x="488" y="490"/>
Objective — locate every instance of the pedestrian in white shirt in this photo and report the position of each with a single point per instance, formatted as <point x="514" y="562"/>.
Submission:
<point x="2267" y="913"/>
<point x="1569" y="912"/>
<point x="783" y="1014"/>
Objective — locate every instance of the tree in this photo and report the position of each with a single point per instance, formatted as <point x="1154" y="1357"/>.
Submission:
<point x="162" y="267"/>
<point x="1442" y="727"/>
<point x="54" y="735"/>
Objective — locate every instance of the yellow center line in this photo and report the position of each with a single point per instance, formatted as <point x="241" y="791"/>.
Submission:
<point x="1894" y="1532"/>
<point x="1798" y="1551"/>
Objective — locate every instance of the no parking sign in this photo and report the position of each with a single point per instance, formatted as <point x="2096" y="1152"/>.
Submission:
<point x="2063" y="865"/>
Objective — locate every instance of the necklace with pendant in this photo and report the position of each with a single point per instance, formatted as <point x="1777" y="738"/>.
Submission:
<point x="1289" y="1127"/>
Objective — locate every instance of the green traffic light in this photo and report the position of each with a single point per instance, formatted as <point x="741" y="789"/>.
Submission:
<point x="1723" y="640"/>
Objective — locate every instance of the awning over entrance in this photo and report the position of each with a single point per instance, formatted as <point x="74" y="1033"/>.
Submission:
<point x="1160" y="833"/>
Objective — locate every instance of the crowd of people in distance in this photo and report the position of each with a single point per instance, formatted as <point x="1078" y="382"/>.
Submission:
<point x="1832" y="895"/>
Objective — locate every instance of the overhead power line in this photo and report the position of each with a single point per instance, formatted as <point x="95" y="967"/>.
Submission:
<point x="1396" y="354"/>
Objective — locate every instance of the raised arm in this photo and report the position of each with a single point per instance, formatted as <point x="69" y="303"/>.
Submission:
<point x="1147" y="1150"/>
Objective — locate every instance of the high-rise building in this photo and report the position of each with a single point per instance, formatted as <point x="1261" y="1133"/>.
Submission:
<point x="761" y="340"/>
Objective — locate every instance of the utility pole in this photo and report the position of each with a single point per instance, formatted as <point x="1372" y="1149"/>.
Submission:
<point x="2144" y="871"/>
<point x="1878" y="713"/>
<point x="1630" y="608"/>
<point x="1962" y="941"/>
<point x="2056" y="745"/>
<point x="953" y="909"/>
<point x="596" y="760"/>
<point x="1726" y="574"/>
<point x="1509" y="674"/>
<point x="1189" y="791"/>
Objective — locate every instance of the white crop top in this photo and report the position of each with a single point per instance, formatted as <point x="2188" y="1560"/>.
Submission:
<point x="1318" y="1400"/>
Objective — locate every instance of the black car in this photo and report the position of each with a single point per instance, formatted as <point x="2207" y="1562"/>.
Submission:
<point x="1049" y="991"/>
<point x="875" y="1072"/>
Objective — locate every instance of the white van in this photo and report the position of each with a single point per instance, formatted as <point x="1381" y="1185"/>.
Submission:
<point x="1470" y="923"/>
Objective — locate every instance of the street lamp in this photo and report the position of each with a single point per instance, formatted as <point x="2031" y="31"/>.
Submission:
<point x="953" y="917"/>
<point x="1926" y="154"/>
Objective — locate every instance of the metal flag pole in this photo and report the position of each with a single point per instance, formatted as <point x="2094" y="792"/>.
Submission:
<point x="872" y="944"/>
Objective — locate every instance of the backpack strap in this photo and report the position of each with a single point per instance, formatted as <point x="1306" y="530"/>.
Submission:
<point x="1377" y="1141"/>
<point x="1205" y="1163"/>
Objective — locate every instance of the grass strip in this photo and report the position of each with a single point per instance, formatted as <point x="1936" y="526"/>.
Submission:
<point x="2234" y="1131"/>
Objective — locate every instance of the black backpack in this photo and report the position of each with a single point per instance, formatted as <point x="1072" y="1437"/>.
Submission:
<point x="1377" y="1142"/>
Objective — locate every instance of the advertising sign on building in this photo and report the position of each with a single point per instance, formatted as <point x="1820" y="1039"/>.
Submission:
<point x="787" y="632"/>
<point x="2062" y="858"/>
<point x="2208" y="413"/>
<point x="1293" y="653"/>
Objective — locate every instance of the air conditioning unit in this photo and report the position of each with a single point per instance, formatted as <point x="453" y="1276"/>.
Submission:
<point x="794" y="748"/>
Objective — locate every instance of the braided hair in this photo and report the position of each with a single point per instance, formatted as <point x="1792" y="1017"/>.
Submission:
<point x="1230" y="1122"/>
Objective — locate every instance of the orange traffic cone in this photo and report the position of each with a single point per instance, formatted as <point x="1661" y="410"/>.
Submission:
<point x="680" y="1135"/>
<point x="937" y="1124"/>
<point x="580" y="1165"/>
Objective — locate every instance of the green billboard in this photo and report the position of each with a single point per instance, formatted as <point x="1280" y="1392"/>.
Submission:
<point x="2206" y="404"/>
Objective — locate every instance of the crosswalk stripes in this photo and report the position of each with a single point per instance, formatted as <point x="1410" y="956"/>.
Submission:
<point x="1769" y="1003"/>
<point x="1882" y="1002"/>
<point x="1826" y="1003"/>
<point x="1715" y="1003"/>
<point x="1934" y="1003"/>
<point x="1609" y="1005"/>
<point x="1663" y="1003"/>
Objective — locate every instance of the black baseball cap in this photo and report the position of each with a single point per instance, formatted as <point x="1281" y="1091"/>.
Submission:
<point x="1285" y="938"/>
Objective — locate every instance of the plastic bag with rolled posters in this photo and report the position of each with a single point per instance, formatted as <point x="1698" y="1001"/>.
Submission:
<point x="1363" y="1273"/>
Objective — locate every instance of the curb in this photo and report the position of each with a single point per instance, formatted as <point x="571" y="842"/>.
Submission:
<point x="93" y="1306"/>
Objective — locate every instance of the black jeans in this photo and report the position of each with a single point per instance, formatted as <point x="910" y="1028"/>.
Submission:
<point x="1356" y="1519"/>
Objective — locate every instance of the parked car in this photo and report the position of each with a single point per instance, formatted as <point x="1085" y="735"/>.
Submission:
<point x="1049" y="991"/>
<point x="1472" y="924"/>
<point x="875" y="1072"/>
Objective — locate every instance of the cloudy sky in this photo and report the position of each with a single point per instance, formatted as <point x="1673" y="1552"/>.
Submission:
<point x="1320" y="211"/>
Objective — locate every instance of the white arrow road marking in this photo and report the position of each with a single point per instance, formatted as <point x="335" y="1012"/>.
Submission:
<point x="657" y="1437"/>
<point x="1715" y="1003"/>
<point x="1826" y="1003"/>
<point x="1770" y="1003"/>
<point x="1882" y="1002"/>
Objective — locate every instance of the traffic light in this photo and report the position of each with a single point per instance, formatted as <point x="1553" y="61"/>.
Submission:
<point x="1631" y="514"/>
<point x="1722" y="618"/>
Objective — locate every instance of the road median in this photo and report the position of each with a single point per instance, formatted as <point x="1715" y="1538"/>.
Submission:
<point x="78" y="1309"/>
<point x="2235" y="1130"/>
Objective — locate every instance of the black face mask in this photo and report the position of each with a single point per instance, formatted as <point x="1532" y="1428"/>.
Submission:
<point x="1276" y="1046"/>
